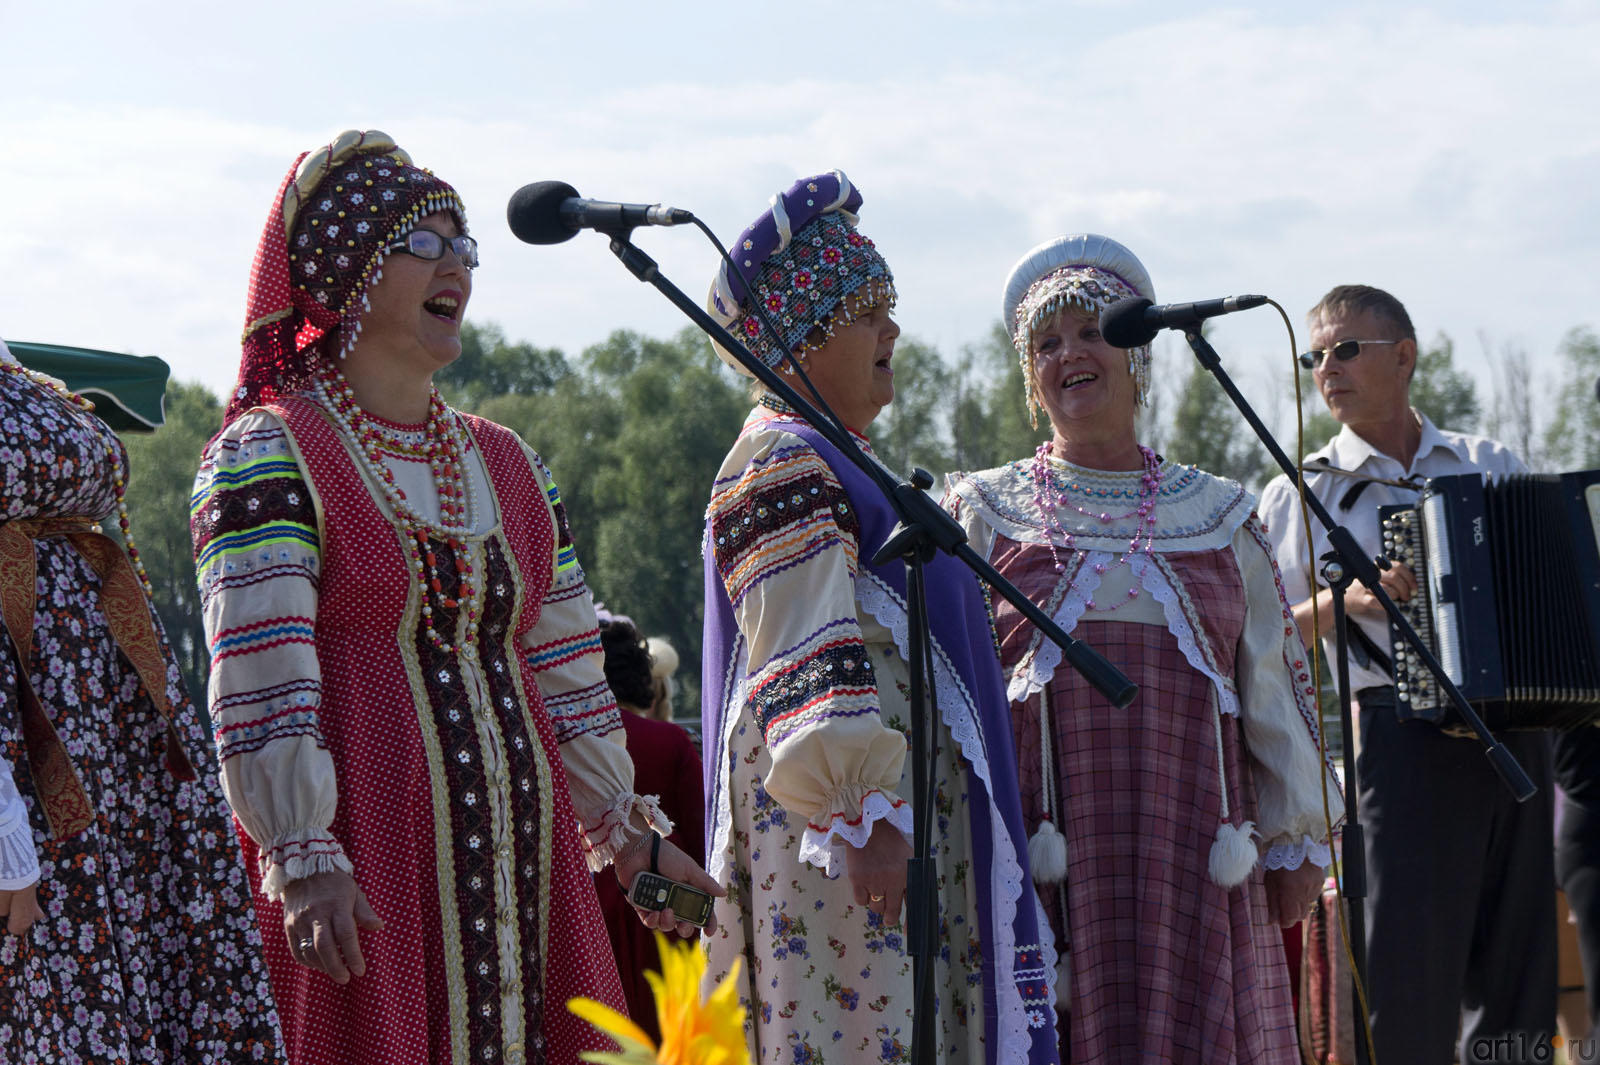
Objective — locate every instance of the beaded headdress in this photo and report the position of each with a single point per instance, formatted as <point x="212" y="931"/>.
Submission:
<point x="336" y="212"/>
<point x="1084" y="271"/>
<point x="800" y="258"/>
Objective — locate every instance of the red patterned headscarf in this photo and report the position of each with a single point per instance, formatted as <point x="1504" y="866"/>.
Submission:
<point x="337" y="212"/>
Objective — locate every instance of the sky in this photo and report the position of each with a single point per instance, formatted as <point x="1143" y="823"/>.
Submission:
<point x="1448" y="152"/>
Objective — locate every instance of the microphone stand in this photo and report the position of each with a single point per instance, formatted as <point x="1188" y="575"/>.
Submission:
<point x="1343" y="565"/>
<point x="923" y="529"/>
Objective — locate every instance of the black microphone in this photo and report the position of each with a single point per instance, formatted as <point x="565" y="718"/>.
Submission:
<point x="1132" y="323"/>
<point x="549" y="212"/>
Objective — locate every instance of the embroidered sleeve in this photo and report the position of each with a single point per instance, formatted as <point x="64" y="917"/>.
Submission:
<point x="257" y="555"/>
<point x="1279" y="716"/>
<point x="19" y="861"/>
<point x="980" y="534"/>
<point x="786" y="541"/>
<point x="564" y="650"/>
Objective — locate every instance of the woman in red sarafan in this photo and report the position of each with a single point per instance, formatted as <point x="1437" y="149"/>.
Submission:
<point x="415" y="730"/>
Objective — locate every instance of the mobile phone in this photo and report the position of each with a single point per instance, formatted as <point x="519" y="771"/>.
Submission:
<point x="652" y="891"/>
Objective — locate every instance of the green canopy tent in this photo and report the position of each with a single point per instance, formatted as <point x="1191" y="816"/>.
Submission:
<point x="127" y="390"/>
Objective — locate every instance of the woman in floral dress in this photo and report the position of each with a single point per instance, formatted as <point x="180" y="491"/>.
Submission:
<point x="805" y="702"/>
<point x="111" y="823"/>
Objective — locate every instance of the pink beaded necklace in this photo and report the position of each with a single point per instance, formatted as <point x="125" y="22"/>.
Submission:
<point x="444" y="446"/>
<point x="1050" y="497"/>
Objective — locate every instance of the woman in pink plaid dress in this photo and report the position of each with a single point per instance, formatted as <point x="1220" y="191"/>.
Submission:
<point x="1170" y="839"/>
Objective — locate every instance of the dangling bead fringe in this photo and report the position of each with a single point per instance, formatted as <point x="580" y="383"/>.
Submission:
<point x="1233" y="855"/>
<point x="1047" y="854"/>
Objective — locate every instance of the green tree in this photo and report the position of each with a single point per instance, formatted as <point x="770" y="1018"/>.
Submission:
<point x="988" y="406"/>
<point x="911" y="430"/>
<point x="1206" y="431"/>
<point x="1448" y="396"/>
<point x="162" y="467"/>
<point x="1572" y="440"/>
<point x="635" y="436"/>
<point x="492" y="366"/>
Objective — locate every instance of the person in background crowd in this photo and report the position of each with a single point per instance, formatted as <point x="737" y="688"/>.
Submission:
<point x="664" y="764"/>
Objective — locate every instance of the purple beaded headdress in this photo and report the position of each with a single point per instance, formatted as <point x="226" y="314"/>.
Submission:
<point x="1084" y="271"/>
<point x="800" y="258"/>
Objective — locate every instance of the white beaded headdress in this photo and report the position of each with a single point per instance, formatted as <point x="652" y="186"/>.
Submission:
<point x="1086" y="271"/>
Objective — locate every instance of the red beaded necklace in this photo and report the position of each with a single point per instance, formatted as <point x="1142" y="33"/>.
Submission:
<point x="118" y="485"/>
<point x="444" y="445"/>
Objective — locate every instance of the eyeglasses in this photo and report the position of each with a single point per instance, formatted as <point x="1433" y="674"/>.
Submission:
<point x="1344" y="351"/>
<point x="426" y="244"/>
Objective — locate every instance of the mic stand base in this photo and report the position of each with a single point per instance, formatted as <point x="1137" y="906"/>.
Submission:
<point x="1352" y="847"/>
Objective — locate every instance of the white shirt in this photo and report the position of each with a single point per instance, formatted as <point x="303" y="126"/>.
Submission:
<point x="1439" y="453"/>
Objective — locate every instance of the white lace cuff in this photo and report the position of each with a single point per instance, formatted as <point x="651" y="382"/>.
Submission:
<point x="823" y="846"/>
<point x="19" y="861"/>
<point x="1294" y="855"/>
<point x="297" y="855"/>
<point x="602" y="842"/>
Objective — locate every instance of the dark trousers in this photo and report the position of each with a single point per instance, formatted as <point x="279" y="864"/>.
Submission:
<point x="1460" y="895"/>
<point x="1580" y="879"/>
<point x="1577" y="760"/>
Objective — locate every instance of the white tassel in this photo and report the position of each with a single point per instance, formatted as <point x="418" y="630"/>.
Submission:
<point x="1047" y="854"/>
<point x="1064" y="983"/>
<point x="1233" y="855"/>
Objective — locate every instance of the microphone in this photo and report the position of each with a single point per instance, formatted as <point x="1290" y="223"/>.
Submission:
<point x="549" y="212"/>
<point x="1132" y="323"/>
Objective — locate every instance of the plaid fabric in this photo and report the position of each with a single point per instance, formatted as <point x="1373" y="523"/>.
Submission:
<point x="1166" y="965"/>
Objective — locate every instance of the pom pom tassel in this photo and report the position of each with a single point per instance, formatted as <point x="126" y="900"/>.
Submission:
<point x="1064" y="982"/>
<point x="1233" y="855"/>
<point x="1047" y="854"/>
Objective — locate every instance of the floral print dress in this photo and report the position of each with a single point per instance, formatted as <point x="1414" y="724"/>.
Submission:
<point x="806" y="688"/>
<point x="147" y="951"/>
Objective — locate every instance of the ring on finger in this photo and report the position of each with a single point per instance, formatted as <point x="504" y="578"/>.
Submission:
<point x="305" y="944"/>
<point x="875" y="898"/>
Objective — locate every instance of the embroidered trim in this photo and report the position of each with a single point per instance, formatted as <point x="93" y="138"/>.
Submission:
<point x="825" y="847"/>
<point x="603" y="841"/>
<point x="1156" y="581"/>
<point x="297" y="855"/>
<point x="1035" y="668"/>
<point x="1294" y="855"/>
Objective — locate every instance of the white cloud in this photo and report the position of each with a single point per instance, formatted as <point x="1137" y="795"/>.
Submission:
<point x="1449" y="159"/>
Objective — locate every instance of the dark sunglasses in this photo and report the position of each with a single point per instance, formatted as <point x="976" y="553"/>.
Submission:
<point x="426" y="244"/>
<point x="1344" y="351"/>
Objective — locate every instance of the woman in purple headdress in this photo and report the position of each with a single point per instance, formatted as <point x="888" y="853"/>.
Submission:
<point x="1174" y="836"/>
<point x="805" y="700"/>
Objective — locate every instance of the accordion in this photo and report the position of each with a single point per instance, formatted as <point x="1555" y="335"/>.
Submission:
<point x="1508" y="599"/>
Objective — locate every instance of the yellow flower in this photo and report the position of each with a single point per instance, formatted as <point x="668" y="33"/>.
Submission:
<point x="692" y="1032"/>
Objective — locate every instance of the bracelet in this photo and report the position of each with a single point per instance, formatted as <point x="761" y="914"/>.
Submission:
<point x="635" y="845"/>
